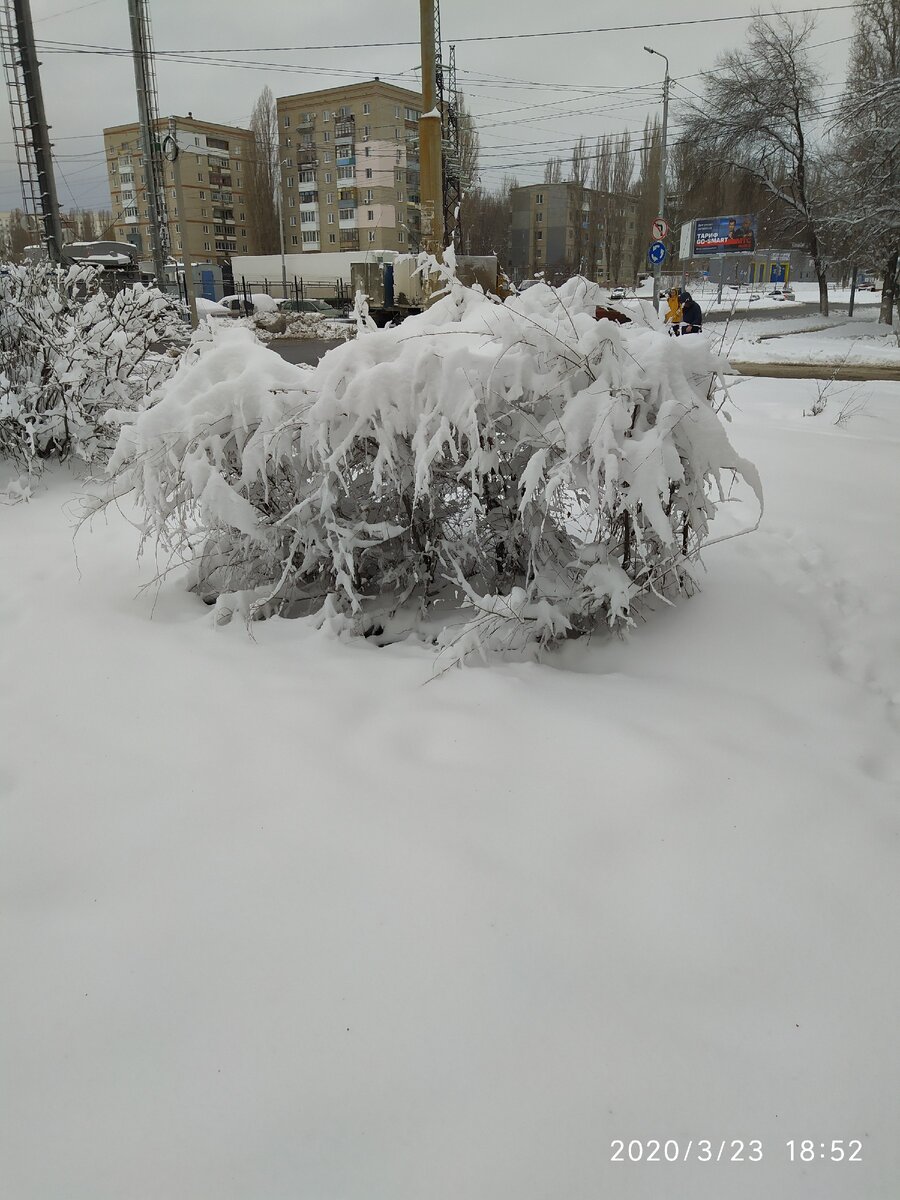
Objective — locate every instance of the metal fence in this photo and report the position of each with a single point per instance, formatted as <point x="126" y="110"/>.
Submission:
<point x="335" y="291"/>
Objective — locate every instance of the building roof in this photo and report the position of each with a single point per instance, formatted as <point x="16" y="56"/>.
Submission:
<point x="163" y="122"/>
<point x="352" y="89"/>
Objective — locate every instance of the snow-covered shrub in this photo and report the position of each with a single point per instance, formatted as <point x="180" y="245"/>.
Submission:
<point x="492" y="474"/>
<point x="69" y="352"/>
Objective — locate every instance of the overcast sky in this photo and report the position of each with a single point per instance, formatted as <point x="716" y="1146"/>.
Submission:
<point x="531" y="97"/>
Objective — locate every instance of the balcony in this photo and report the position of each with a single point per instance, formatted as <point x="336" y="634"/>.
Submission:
<point x="344" y="129"/>
<point x="349" y="239"/>
<point x="307" y="158"/>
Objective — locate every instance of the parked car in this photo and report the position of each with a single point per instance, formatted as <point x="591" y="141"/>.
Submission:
<point x="258" y="302"/>
<point x="319" y="308"/>
<point x="617" y="293"/>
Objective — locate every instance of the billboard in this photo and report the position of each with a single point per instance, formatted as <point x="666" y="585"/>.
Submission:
<point x="724" y="235"/>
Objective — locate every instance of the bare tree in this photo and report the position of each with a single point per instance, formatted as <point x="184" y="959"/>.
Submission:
<point x="469" y="147"/>
<point x="866" y="216"/>
<point x="486" y="221"/>
<point x="580" y="260"/>
<point x="611" y="202"/>
<point x="755" y="118"/>
<point x="263" y="173"/>
<point x="553" y="170"/>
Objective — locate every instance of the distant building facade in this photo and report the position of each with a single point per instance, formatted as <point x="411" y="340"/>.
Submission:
<point x="215" y="222"/>
<point x="560" y="229"/>
<point x="350" y="168"/>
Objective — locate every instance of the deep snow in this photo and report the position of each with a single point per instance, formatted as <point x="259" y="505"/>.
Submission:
<point x="289" y="917"/>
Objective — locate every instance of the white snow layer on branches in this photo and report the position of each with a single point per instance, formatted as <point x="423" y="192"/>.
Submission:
<point x="492" y="474"/>
<point x="69" y="352"/>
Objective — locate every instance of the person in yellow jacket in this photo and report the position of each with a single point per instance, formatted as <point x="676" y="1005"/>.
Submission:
<point x="674" y="313"/>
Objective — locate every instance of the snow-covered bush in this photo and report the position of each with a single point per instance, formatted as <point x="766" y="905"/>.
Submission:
<point x="490" y="474"/>
<point x="69" y="352"/>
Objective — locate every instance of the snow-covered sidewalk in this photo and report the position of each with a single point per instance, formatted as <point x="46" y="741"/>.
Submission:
<point x="289" y="917"/>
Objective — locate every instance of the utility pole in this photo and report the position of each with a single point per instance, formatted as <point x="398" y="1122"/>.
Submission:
<point x="172" y="152"/>
<point x="430" y="167"/>
<point x="30" y="130"/>
<point x="657" y="267"/>
<point x="145" y="84"/>
<point x="281" y="225"/>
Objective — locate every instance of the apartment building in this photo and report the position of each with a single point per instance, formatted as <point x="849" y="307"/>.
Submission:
<point x="561" y="229"/>
<point x="215" y="222"/>
<point x="350" y="168"/>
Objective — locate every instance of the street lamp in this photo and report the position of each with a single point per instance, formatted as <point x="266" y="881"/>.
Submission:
<point x="657" y="267"/>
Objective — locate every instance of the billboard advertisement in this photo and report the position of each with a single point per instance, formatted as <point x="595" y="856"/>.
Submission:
<point x="724" y="235"/>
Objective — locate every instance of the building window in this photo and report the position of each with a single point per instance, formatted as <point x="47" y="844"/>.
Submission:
<point x="329" y="198"/>
<point x="539" y="216"/>
<point x="200" y="178"/>
<point x="368" y="197"/>
<point x="366" y="151"/>
<point x="396" y="110"/>
<point x="291" y="200"/>
<point x="310" y="235"/>
<point x="326" y="135"/>
<point x="401" y="236"/>
<point x="367" y="129"/>
<point x="293" y="239"/>
<point x="206" y="246"/>
<point x="540" y="235"/>
<point x="370" y="213"/>
<point x="293" y="221"/>
<point x="332" y="238"/>
<point x="368" y="172"/>
<point x="539" y="198"/>
<point x="206" y="230"/>
<point x="396" y="133"/>
<point x="203" y="195"/>
<point x="328" y="178"/>
<point x="326" y="157"/>
<point x="331" y="218"/>
<point x="399" y="197"/>
<point x="367" y="108"/>
<point x="287" y="122"/>
<point x="371" y="235"/>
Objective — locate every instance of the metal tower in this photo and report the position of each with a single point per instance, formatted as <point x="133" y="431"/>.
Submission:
<point x="29" y="124"/>
<point x="450" y="138"/>
<point x="148" y="114"/>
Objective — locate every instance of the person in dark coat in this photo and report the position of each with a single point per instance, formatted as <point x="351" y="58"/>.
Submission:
<point x="691" y="313"/>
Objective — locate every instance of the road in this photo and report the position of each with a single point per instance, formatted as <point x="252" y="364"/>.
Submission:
<point x="311" y="350"/>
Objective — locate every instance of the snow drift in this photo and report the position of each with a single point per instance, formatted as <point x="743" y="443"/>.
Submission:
<point x="493" y="475"/>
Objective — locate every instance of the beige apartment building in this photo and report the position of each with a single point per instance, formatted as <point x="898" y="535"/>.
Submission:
<point x="213" y="164"/>
<point x="350" y="168"/>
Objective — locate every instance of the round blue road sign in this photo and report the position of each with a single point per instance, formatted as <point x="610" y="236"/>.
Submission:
<point x="657" y="253"/>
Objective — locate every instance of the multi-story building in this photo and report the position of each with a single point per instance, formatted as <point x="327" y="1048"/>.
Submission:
<point x="561" y="229"/>
<point x="215" y="221"/>
<point x="350" y="168"/>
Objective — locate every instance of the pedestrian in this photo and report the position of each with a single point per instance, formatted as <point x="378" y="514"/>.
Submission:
<point x="691" y="313"/>
<point x="673" y="315"/>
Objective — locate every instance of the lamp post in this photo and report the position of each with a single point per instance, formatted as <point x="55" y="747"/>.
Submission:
<point x="657" y="268"/>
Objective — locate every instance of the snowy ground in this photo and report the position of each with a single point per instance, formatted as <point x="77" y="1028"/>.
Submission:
<point x="859" y="342"/>
<point x="286" y="917"/>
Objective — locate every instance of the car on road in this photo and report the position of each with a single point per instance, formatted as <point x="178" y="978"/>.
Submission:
<point x="617" y="294"/>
